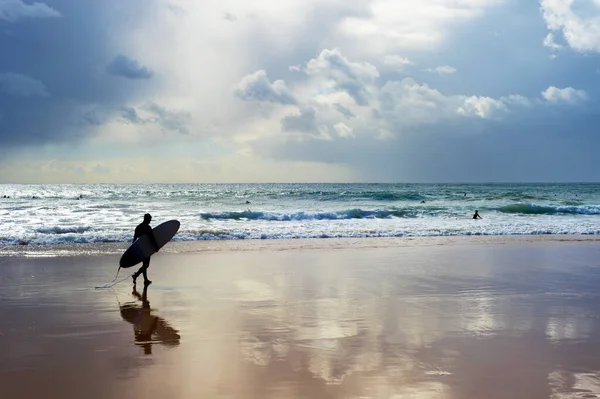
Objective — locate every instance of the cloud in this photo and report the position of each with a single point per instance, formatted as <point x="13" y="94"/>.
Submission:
<point x="172" y="120"/>
<point x="14" y="10"/>
<point x="550" y="43"/>
<point x="153" y="114"/>
<point x="257" y="87"/>
<point x="71" y="99"/>
<point x="327" y="106"/>
<point x="344" y="111"/>
<point x="353" y="96"/>
<point x="342" y="74"/>
<point x="397" y="62"/>
<point x="306" y="122"/>
<point x="16" y="84"/>
<point x="95" y="116"/>
<point x="483" y="107"/>
<point x="128" y="68"/>
<point x="130" y="115"/>
<point x="442" y="70"/>
<point x="567" y="95"/>
<point x="343" y="130"/>
<point x="579" y="26"/>
<point x="230" y="17"/>
<point x="408" y="103"/>
<point x="405" y="24"/>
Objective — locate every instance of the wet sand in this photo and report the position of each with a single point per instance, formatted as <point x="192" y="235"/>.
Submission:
<point x="518" y="320"/>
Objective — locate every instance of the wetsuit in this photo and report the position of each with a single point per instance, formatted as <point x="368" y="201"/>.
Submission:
<point x="144" y="229"/>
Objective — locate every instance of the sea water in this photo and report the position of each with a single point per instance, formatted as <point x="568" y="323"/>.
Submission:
<point x="51" y="214"/>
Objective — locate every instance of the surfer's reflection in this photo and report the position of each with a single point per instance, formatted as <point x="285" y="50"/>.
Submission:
<point x="148" y="329"/>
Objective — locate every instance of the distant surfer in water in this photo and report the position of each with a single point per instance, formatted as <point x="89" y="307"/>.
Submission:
<point x="476" y="215"/>
<point x="144" y="229"/>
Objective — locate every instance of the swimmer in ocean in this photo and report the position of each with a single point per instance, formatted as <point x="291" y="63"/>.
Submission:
<point x="476" y="215"/>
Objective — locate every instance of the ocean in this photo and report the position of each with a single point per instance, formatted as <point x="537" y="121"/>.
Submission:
<point x="91" y="213"/>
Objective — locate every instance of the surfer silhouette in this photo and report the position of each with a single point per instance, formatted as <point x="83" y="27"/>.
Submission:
<point x="141" y="230"/>
<point x="476" y="215"/>
<point x="148" y="329"/>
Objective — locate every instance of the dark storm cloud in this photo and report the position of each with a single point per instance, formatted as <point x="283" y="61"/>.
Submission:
<point x="59" y="63"/>
<point x="20" y="85"/>
<point x="128" y="68"/>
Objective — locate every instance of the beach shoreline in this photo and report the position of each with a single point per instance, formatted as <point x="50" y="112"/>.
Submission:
<point x="99" y="249"/>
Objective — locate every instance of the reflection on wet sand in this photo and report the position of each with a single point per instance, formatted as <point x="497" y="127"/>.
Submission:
<point x="452" y="323"/>
<point x="148" y="329"/>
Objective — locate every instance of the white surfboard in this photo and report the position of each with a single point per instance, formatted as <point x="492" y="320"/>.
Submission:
<point x="142" y="248"/>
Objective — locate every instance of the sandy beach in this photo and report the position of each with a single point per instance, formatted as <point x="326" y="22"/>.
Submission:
<point x="434" y="318"/>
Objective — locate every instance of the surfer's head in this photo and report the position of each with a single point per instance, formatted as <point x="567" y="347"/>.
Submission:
<point x="147" y="218"/>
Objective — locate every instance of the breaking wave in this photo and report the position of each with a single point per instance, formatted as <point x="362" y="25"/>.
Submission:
<point x="533" y="209"/>
<point x="302" y="215"/>
<point x="63" y="230"/>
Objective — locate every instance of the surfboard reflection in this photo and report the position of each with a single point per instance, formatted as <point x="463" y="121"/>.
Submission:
<point x="148" y="329"/>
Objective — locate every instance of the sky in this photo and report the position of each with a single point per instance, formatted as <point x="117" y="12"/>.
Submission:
<point x="299" y="91"/>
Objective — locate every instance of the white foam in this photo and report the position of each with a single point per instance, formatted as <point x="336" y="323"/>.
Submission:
<point x="109" y="213"/>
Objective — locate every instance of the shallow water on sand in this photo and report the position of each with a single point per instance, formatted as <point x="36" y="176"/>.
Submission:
<point x="486" y="321"/>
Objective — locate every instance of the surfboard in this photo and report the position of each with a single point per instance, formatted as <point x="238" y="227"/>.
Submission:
<point x="142" y="248"/>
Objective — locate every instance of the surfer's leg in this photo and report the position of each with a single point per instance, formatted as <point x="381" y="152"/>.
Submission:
<point x="135" y="275"/>
<point x="144" y="271"/>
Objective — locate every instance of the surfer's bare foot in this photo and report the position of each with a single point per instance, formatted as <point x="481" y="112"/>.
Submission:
<point x="134" y="277"/>
<point x="147" y="282"/>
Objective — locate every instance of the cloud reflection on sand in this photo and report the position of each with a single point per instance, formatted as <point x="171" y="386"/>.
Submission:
<point x="450" y="322"/>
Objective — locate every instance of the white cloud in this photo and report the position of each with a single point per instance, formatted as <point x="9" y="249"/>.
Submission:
<point x="580" y="26"/>
<point x="327" y="107"/>
<point x="257" y="87"/>
<point x="16" y="84"/>
<point x="516" y="99"/>
<point x="14" y="10"/>
<point x="408" y="24"/>
<point x="443" y="70"/>
<point x="279" y="30"/>
<point x="343" y="130"/>
<point x="483" y="107"/>
<point x="567" y="95"/>
<point x="342" y="74"/>
<point x="408" y="103"/>
<point x="397" y="62"/>
<point x="550" y="43"/>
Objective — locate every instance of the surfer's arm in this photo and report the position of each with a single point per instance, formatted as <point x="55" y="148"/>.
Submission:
<point x="136" y="234"/>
